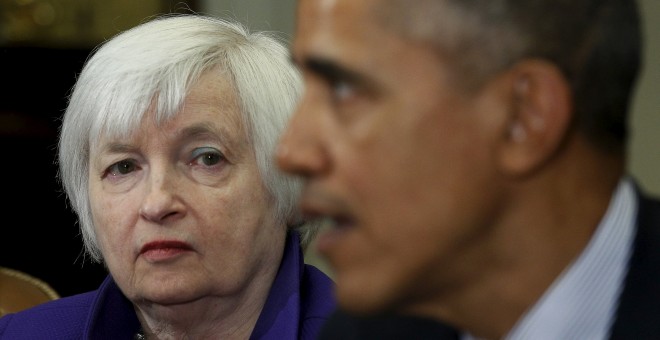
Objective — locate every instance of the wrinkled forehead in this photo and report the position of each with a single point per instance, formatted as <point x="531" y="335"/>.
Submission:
<point x="339" y="16"/>
<point x="393" y="15"/>
<point x="343" y="30"/>
<point x="123" y="122"/>
<point x="347" y="25"/>
<point x="210" y="91"/>
<point x="354" y="35"/>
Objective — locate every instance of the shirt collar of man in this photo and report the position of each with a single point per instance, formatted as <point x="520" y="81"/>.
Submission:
<point x="582" y="302"/>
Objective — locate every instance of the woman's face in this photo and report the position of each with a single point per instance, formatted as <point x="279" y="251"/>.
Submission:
<point x="180" y="209"/>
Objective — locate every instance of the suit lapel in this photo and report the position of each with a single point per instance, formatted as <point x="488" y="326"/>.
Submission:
<point x="638" y="313"/>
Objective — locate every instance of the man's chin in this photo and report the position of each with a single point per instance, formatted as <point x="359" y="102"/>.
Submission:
<point x="366" y="301"/>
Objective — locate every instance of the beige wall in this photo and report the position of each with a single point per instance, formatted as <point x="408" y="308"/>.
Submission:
<point x="644" y="155"/>
<point x="271" y="15"/>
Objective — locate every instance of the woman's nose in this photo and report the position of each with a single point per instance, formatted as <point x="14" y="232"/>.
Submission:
<point x="161" y="201"/>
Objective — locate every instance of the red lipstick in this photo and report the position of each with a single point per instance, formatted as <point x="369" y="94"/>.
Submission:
<point x="163" y="250"/>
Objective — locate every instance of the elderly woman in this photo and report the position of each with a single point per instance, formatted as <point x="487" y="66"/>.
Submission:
<point x="165" y="153"/>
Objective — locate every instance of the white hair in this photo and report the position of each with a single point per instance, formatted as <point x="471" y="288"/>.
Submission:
<point x="156" y="63"/>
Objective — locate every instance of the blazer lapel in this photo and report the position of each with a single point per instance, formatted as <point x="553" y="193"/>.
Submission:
<point x="638" y="313"/>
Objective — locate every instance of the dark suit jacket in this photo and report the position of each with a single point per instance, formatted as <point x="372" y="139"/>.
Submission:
<point x="638" y="313"/>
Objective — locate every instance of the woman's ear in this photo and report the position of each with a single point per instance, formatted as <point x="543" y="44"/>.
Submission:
<point x="540" y="116"/>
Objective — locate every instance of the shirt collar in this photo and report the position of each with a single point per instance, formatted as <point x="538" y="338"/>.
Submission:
<point x="582" y="302"/>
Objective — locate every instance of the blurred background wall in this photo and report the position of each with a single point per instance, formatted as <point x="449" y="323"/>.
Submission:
<point x="644" y="148"/>
<point x="43" y="45"/>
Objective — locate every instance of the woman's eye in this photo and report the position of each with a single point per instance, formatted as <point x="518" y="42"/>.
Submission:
<point x="207" y="156"/>
<point x="210" y="158"/>
<point x="121" y="168"/>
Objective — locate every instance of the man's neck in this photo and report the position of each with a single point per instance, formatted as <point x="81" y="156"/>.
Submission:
<point x="546" y="224"/>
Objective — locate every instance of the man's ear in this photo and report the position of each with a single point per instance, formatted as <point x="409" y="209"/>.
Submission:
<point x="539" y="119"/>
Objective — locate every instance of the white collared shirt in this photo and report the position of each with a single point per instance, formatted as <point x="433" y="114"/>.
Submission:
<point x="582" y="302"/>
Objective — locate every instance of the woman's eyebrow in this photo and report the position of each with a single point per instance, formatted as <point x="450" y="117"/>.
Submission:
<point x="234" y="141"/>
<point x="205" y="129"/>
<point x="116" y="147"/>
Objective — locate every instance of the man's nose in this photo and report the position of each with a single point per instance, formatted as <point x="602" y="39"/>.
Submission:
<point x="301" y="150"/>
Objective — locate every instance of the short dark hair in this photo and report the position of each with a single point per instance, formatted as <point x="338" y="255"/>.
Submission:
<point x="595" y="43"/>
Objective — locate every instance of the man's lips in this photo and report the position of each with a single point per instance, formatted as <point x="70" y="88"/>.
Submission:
<point x="318" y="205"/>
<point x="337" y="232"/>
<point x="160" y="250"/>
<point x="333" y="221"/>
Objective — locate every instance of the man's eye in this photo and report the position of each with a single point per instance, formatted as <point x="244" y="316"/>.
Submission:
<point x="121" y="168"/>
<point x="207" y="156"/>
<point x="342" y="90"/>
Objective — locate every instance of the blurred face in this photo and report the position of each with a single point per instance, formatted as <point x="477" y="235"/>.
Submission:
<point x="180" y="209"/>
<point x="393" y="153"/>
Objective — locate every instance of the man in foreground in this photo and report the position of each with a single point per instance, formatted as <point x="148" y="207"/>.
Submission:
<point x="471" y="158"/>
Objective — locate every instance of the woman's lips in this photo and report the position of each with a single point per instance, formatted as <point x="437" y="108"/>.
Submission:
<point x="163" y="250"/>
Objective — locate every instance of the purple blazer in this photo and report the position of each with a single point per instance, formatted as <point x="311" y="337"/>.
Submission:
<point x="299" y="302"/>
